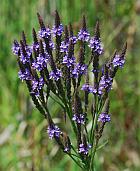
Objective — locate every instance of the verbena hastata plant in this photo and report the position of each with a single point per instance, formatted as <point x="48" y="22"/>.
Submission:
<point x="55" y="67"/>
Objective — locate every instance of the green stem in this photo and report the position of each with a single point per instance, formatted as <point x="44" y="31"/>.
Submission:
<point x="93" y="121"/>
<point x="78" y="163"/>
<point x="69" y="112"/>
<point x="57" y="102"/>
<point x="92" y="157"/>
<point x="94" y="124"/>
<point x="99" y="106"/>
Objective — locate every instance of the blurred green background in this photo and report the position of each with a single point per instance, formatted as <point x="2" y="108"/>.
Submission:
<point x="24" y="143"/>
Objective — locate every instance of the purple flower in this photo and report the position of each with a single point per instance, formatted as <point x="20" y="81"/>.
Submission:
<point x="55" y="74"/>
<point x="15" y="48"/>
<point x="79" y="118"/>
<point x="44" y="33"/>
<point x="26" y="75"/>
<point x="42" y="59"/>
<point x="29" y="51"/>
<point x="41" y="62"/>
<point x="105" y="84"/>
<point x="79" y="69"/>
<point x="25" y="57"/>
<point x="35" y="46"/>
<point x="118" y="61"/>
<point x="74" y="39"/>
<point x="41" y="83"/>
<point x="89" y="88"/>
<point x="67" y="149"/>
<point x="86" y="87"/>
<point x="96" y="45"/>
<point x="94" y="70"/>
<point x="51" y="44"/>
<point x="104" y="117"/>
<point x="35" y="66"/>
<point x="84" y="148"/>
<point x="53" y="131"/>
<point x="34" y="85"/>
<point x="83" y="35"/>
<point x="37" y="85"/>
<point x="64" y="46"/>
<point x="69" y="61"/>
<point x="57" y="30"/>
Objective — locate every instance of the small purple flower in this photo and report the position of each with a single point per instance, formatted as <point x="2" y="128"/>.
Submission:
<point x="56" y="74"/>
<point x="74" y="39"/>
<point x="57" y="30"/>
<point x="96" y="45"/>
<point x="35" y="46"/>
<point x="26" y="75"/>
<point x="37" y="85"/>
<point x="104" y="117"/>
<point x="41" y="83"/>
<point x="105" y="84"/>
<point x="94" y="70"/>
<point x="79" y="69"/>
<point x="41" y="62"/>
<point x="83" y="35"/>
<point x="54" y="131"/>
<point x="84" y="148"/>
<point x="36" y="66"/>
<point x="44" y="33"/>
<point x="29" y="51"/>
<point x="87" y="87"/>
<point x="118" y="61"/>
<point x="64" y="46"/>
<point x="15" y="48"/>
<point x="24" y="58"/>
<point x="69" y="61"/>
<point x="34" y="85"/>
<point x="82" y="68"/>
<point x="51" y="43"/>
<point x="42" y="59"/>
<point x="67" y="149"/>
<point x="79" y="118"/>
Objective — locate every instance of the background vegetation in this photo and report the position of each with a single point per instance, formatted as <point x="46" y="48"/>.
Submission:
<point x="24" y="143"/>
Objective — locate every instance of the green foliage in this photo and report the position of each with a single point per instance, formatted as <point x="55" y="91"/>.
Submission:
<point x="24" y="142"/>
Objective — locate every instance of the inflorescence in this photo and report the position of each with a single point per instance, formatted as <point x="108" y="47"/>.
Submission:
<point x="51" y="66"/>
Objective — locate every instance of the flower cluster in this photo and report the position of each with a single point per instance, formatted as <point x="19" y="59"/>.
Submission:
<point x="24" y="75"/>
<point x="104" y="117"/>
<point x="53" y="131"/>
<point x="57" y="30"/>
<point x="69" y="62"/>
<point x="88" y="88"/>
<point x="96" y="45"/>
<point x="56" y="74"/>
<point x="58" y="65"/>
<point x="79" y="69"/>
<point x="15" y="48"/>
<point x="84" y="148"/>
<point x="79" y="118"/>
<point x="44" y="33"/>
<point x="41" y="62"/>
<point x="118" y="61"/>
<point x="83" y="35"/>
<point x="64" y="46"/>
<point x="104" y="84"/>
